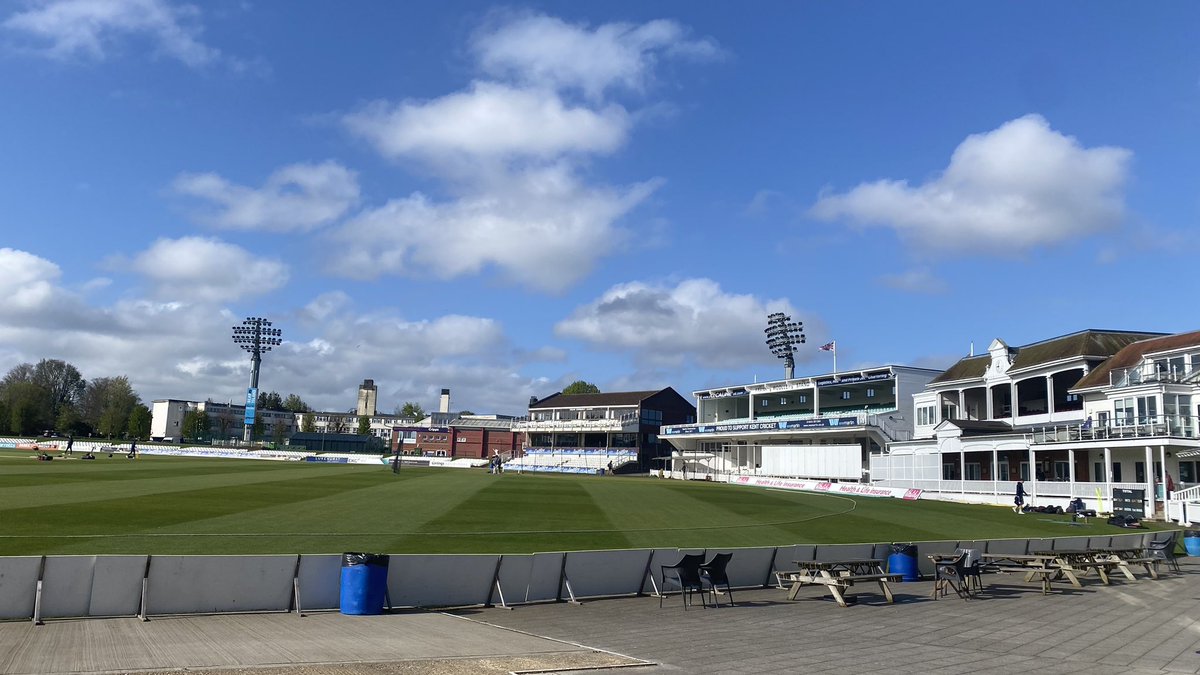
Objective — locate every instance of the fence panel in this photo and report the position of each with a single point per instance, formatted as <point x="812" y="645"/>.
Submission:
<point x="117" y="585"/>
<point x="440" y="580"/>
<point x="181" y="584"/>
<point x="598" y="573"/>
<point x="320" y="581"/>
<point x="18" y="586"/>
<point x="67" y="585"/>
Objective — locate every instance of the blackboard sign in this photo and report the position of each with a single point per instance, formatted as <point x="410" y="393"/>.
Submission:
<point x="1128" y="502"/>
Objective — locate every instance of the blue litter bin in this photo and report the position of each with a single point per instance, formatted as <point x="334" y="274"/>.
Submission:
<point x="903" y="561"/>
<point x="364" y="583"/>
<point x="1191" y="542"/>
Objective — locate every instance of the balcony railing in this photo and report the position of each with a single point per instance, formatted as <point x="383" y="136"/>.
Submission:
<point x="1152" y="373"/>
<point x="1160" y="426"/>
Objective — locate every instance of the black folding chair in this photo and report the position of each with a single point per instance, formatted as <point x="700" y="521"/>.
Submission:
<point x="713" y="572"/>
<point x="686" y="575"/>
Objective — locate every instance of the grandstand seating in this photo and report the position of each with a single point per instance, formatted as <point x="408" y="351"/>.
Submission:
<point x="571" y="460"/>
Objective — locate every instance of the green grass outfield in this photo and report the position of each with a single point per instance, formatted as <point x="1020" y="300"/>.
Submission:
<point x="171" y="505"/>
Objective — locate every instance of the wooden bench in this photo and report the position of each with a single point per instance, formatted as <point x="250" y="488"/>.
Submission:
<point x="838" y="584"/>
<point x="1149" y="564"/>
<point x="1046" y="574"/>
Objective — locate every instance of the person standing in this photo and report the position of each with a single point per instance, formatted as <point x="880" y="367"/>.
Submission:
<point x="132" y="450"/>
<point x="70" y="444"/>
<point x="1019" y="499"/>
<point x="396" y="462"/>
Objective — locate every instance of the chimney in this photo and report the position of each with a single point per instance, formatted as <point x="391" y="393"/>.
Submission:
<point x="532" y="400"/>
<point x="444" y="401"/>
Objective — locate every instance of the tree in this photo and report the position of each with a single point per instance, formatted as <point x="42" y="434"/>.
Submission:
<point x="28" y="408"/>
<point x="224" y="423"/>
<point x="580" y="387"/>
<point x="270" y="400"/>
<point x="411" y="410"/>
<point x="278" y="431"/>
<point x="62" y="381"/>
<point x="294" y="403"/>
<point x="364" y="425"/>
<point x="107" y="403"/>
<point x="308" y="423"/>
<point x="197" y="425"/>
<point x="256" y="431"/>
<point x="139" y="422"/>
<point x="337" y="424"/>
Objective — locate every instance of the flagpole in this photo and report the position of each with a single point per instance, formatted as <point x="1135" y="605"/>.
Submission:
<point x="834" y="350"/>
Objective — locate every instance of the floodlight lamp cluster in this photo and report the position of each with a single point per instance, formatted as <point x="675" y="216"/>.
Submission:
<point x="783" y="335"/>
<point x="256" y="336"/>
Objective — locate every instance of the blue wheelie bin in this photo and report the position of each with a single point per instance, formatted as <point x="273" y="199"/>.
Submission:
<point x="903" y="561"/>
<point x="1191" y="542"/>
<point x="364" y="583"/>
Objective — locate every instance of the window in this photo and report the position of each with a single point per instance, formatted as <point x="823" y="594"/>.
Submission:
<point x="762" y="403"/>
<point x="802" y="398"/>
<point x="845" y="396"/>
<point x="1062" y="470"/>
<point x="974" y="471"/>
<point x="1123" y="411"/>
<point x="870" y="393"/>
<point x="1147" y="409"/>
<point x="782" y="400"/>
<point x="1187" y="472"/>
<point x="927" y="415"/>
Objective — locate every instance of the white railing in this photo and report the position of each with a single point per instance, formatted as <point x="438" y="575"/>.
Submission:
<point x="1172" y="426"/>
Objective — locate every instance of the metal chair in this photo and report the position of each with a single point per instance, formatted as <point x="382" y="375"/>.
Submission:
<point x="686" y="575"/>
<point x="1164" y="550"/>
<point x="972" y="569"/>
<point x="713" y="572"/>
<point x="949" y="574"/>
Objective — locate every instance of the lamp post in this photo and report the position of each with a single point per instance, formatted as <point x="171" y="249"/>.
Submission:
<point x="783" y="335"/>
<point x="256" y="336"/>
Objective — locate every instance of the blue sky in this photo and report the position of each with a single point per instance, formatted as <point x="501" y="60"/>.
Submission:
<point x="501" y="199"/>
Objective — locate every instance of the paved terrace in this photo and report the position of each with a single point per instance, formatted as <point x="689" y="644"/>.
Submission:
<point x="1130" y="627"/>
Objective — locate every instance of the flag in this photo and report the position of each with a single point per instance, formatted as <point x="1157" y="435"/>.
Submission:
<point x="829" y="347"/>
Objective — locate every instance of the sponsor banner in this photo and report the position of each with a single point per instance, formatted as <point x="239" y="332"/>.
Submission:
<point x="726" y="394"/>
<point x="815" y="423"/>
<point x="328" y="460"/>
<point x="860" y="489"/>
<point x="251" y="402"/>
<point x="852" y="379"/>
<point x="210" y="453"/>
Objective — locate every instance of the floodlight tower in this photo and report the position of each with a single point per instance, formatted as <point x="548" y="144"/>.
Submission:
<point x="783" y="335"/>
<point x="256" y="336"/>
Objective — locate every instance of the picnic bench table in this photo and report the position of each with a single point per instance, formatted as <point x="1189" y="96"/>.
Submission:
<point x="1042" y="567"/>
<point x="838" y="576"/>
<point x="1125" y="556"/>
<point x="1082" y="561"/>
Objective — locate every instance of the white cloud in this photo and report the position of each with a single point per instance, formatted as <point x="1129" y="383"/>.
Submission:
<point x="489" y="120"/>
<point x="547" y="51"/>
<point x="181" y="347"/>
<point x="28" y="282"/>
<point x="918" y="280"/>
<point x="197" y="268"/>
<point x="543" y="229"/>
<point x="508" y="151"/>
<point x="669" y="327"/>
<point x="1020" y="186"/>
<point x="297" y="197"/>
<point x="90" y="28"/>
